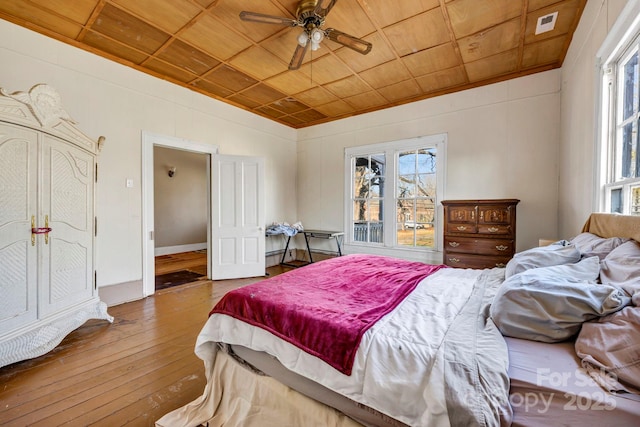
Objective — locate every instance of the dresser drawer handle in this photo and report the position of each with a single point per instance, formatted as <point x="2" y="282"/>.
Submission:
<point x="462" y="227"/>
<point x="493" y="229"/>
<point x="454" y="260"/>
<point x="502" y="248"/>
<point x="500" y="265"/>
<point x="454" y="244"/>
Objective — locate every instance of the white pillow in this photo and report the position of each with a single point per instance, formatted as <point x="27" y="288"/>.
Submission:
<point x="622" y="268"/>
<point x="550" y="304"/>
<point x="558" y="253"/>
<point x="591" y="245"/>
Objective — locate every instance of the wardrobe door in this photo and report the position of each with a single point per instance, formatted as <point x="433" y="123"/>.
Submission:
<point x="18" y="257"/>
<point x="67" y="208"/>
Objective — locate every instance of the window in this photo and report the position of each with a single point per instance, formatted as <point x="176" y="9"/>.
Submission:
<point x="392" y="194"/>
<point x="621" y="118"/>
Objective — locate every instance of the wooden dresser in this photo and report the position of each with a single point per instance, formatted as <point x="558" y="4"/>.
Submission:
<point x="479" y="233"/>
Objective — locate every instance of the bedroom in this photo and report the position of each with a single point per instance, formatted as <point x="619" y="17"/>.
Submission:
<point x="550" y="110"/>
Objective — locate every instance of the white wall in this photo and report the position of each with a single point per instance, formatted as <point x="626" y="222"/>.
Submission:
<point x="503" y="142"/>
<point x="578" y="125"/>
<point x="181" y="203"/>
<point x="118" y="102"/>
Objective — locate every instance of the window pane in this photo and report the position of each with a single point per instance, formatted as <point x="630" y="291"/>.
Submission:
<point x="406" y="210"/>
<point x="377" y="187"/>
<point x="406" y="185"/>
<point x="360" y="232"/>
<point x="375" y="210"/>
<point x="426" y="185"/>
<point x="407" y="162"/>
<point x="424" y="212"/>
<point x="360" y="210"/>
<point x="427" y="161"/>
<point x="616" y="200"/>
<point x="635" y="201"/>
<point x="377" y="164"/>
<point x="416" y="193"/>
<point x="627" y="150"/>
<point x="376" y="232"/>
<point x="630" y="88"/>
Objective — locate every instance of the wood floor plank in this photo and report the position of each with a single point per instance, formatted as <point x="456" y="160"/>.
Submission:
<point x="129" y="373"/>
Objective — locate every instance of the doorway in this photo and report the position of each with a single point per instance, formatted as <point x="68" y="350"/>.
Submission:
<point x="180" y="216"/>
<point x="184" y="148"/>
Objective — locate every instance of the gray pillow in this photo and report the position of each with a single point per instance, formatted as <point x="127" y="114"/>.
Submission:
<point x="591" y="245"/>
<point x="558" y="253"/>
<point x="550" y="304"/>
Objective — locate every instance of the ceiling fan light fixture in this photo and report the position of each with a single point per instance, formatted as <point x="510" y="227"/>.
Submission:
<point x="316" y="36"/>
<point x="303" y="38"/>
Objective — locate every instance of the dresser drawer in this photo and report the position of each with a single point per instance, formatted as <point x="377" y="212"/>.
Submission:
<point x="471" y="245"/>
<point x="495" y="229"/>
<point x="475" y="261"/>
<point x="461" y="228"/>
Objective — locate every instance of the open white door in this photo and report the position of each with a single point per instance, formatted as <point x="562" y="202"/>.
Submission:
<point x="237" y="226"/>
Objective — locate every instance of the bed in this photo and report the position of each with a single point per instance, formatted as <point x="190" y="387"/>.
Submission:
<point x="443" y="347"/>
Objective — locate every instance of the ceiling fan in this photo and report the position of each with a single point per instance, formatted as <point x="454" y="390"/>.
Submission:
<point x="310" y="16"/>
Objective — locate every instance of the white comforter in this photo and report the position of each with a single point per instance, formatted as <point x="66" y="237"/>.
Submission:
<point x="436" y="360"/>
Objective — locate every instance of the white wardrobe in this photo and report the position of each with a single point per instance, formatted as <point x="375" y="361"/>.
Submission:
<point x="47" y="225"/>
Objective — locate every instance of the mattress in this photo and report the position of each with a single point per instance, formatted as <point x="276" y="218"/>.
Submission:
<point x="548" y="383"/>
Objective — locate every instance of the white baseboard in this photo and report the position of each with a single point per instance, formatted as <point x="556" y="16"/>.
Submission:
<point x="121" y="293"/>
<point x="168" y="250"/>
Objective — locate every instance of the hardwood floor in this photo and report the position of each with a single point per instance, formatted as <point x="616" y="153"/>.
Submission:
<point x="129" y="373"/>
<point x="195" y="261"/>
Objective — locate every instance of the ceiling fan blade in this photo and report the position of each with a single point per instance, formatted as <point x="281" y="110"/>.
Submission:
<point x="351" y="42"/>
<point x="298" y="56"/>
<point x="324" y="6"/>
<point x="267" y="19"/>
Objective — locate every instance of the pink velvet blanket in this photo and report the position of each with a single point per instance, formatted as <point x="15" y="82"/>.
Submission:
<point x="324" y="308"/>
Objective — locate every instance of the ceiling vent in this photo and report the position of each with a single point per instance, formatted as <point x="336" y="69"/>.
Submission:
<point x="546" y="23"/>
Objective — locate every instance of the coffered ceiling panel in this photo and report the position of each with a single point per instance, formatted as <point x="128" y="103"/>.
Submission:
<point x="420" y="48"/>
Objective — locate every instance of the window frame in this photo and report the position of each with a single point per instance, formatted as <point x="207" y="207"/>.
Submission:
<point x="618" y="47"/>
<point x="391" y="150"/>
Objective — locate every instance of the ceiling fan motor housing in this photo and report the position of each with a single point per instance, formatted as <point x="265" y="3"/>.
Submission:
<point x="306" y="10"/>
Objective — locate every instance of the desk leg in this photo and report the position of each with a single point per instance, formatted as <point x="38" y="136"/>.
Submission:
<point x="286" y="248"/>
<point x="338" y="244"/>
<point x="306" y="238"/>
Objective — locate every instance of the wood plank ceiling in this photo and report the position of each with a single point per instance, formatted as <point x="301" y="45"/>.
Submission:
<point x="421" y="48"/>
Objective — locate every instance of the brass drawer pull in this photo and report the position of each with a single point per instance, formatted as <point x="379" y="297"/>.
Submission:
<point x="462" y="227"/>
<point x="500" y="265"/>
<point x="493" y="229"/>
<point x="502" y="248"/>
<point x="454" y="244"/>
<point x="454" y="260"/>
